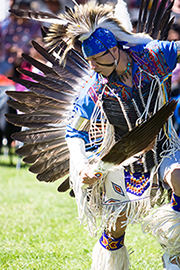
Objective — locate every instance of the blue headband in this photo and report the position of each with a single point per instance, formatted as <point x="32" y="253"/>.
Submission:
<point x="100" y="40"/>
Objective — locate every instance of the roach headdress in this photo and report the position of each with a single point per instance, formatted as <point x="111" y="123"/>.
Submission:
<point x="79" y="23"/>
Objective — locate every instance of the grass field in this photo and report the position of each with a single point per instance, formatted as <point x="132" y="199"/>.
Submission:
<point x="40" y="230"/>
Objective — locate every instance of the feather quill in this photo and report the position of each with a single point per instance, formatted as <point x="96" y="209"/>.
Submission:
<point x="55" y="85"/>
<point x="48" y="71"/>
<point x="33" y="100"/>
<point x="158" y="18"/>
<point x="36" y="15"/>
<point x="151" y="17"/>
<point x="48" y="154"/>
<point x="144" y="18"/>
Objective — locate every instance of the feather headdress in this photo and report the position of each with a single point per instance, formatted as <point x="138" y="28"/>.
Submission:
<point x="85" y="19"/>
<point x="79" y="23"/>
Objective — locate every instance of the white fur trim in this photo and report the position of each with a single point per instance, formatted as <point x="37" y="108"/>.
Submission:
<point x="103" y="259"/>
<point x="122" y="14"/>
<point x="77" y="152"/>
<point x="121" y="35"/>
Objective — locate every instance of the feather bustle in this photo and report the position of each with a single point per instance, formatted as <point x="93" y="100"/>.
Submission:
<point x="67" y="30"/>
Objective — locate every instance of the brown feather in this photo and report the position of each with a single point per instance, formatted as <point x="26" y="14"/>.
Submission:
<point x="33" y="100"/>
<point x="45" y="155"/>
<point x="44" y="90"/>
<point x="34" y="120"/>
<point x="37" y="148"/>
<point x="54" y="172"/>
<point x="36" y="135"/>
<point x="29" y="109"/>
<point x="44" y="163"/>
<point x="64" y="186"/>
<point x="139" y="138"/>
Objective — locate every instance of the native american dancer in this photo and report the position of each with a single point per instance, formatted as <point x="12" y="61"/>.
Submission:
<point x="121" y="141"/>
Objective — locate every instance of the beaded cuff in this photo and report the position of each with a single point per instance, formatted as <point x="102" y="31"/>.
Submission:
<point x="175" y="202"/>
<point x="111" y="243"/>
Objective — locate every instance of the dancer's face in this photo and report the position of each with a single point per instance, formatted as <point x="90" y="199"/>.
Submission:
<point x="104" y="62"/>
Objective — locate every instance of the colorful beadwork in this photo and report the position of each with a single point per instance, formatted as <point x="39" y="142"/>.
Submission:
<point x="111" y="243"/>
<point x="118" y="189"/>
<point x="136" y="183"/>
<point x="98" y="174"/>
<point x="151" y="61"/>
<point x="175" y="202"/>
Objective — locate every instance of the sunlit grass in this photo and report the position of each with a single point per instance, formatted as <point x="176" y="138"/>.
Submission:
<point x="40" y="229"/>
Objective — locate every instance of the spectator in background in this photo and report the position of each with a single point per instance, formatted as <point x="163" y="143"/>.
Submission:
<point x="174" y="32"/>
<point x="133" y="6"/>
<point x="15" y="35"/>
<point x="176" y="11"/>
<point x="58" y="6"/>
<point x="54" y="6"/>
<point x="14" y="38"/>
<point x="174" y="35"/>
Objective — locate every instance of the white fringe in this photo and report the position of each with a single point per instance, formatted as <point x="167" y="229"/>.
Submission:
<point x="135" y="210"/>
<point x="172" y="142"/>
<point x="98" y="217"/>
<point x="90" y="206"/>
<point x="164" y="223"/>
<point x="103" y="259"/>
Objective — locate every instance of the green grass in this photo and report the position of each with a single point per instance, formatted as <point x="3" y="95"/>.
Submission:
<point x="39" y="228"/>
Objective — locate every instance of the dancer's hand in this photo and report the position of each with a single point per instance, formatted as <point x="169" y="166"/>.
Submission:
<point x="88" y="175"/>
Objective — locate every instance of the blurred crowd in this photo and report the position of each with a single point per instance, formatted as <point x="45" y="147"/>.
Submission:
<point x="16" y="35"/>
